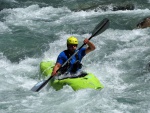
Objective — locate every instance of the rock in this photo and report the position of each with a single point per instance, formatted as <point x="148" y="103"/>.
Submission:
<point x="145" y="23"/>
<point x="124" y="7"/>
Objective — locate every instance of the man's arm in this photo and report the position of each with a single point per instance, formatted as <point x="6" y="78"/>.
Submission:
<point x="91" y="46"/>
<point x="56" y="67"/>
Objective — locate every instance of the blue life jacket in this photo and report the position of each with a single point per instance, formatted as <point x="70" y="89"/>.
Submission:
<point x="75" y="62"/>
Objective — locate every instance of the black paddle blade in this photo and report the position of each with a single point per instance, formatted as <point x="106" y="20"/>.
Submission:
<point x="101" y="27"/>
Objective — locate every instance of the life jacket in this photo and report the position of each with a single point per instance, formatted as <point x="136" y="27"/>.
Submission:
<point x="77" y="65"/>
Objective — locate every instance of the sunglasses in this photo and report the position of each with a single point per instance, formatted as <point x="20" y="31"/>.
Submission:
<point x="72" y="45"/>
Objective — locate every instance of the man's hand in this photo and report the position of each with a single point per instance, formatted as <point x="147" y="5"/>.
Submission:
<point x="86" y="41"/>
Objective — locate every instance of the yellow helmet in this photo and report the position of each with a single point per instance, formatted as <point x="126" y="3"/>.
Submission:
<point x="72" y="40"/>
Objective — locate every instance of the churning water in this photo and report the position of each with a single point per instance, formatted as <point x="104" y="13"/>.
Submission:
<point x="36" y="30"/>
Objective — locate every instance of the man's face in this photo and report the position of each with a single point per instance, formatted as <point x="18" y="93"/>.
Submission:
<point x="72" y="47"/>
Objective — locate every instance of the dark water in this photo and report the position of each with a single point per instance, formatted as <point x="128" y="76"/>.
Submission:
<point x="32" y="31"/>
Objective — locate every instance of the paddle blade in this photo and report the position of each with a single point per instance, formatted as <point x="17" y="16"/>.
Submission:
<point x="101" y="27"/>
<point x="40" y="85"/>
<point x="36" y="87"/>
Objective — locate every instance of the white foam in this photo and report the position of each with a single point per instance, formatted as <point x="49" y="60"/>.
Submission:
<point x="18" y="73"/>
<point x="24" y="16"/>
<point x="4" y="28"/>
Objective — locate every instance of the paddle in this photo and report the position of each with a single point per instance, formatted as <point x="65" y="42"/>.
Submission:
<point x="101" y="27"/>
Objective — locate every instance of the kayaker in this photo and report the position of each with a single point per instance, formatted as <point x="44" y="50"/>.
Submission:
<point x="74" y="64"/>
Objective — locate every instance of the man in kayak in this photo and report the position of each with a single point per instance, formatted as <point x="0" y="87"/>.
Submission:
<point x="74" y="65"/>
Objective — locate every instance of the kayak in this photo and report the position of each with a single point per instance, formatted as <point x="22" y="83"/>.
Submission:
<point x="83" y="81"/>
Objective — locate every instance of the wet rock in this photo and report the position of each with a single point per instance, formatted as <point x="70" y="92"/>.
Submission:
<point x="144" y="23"/>
<point x="124" y="7"/>
<point x="106" y="7"/>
